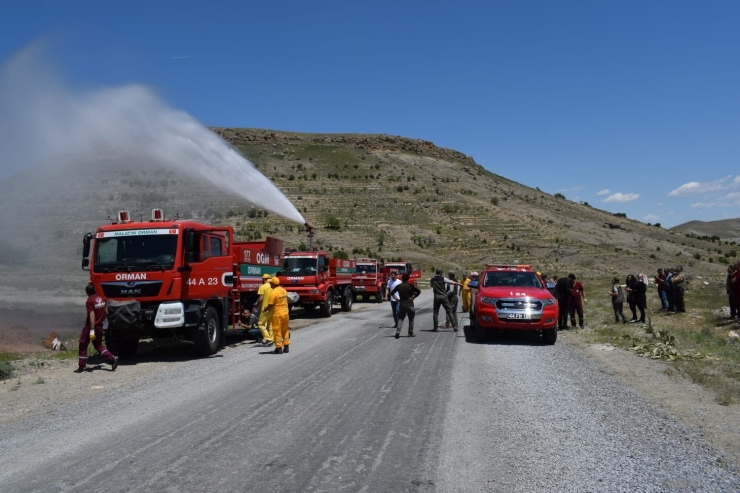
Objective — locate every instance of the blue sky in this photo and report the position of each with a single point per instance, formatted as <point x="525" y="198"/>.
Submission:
<point x="632" y="107"/>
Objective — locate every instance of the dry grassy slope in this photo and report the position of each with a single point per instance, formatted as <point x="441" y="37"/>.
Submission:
<point x="443" y="214"/>
<point x="446" y="216"/>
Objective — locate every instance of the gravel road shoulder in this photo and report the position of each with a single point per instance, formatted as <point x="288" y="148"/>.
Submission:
<point x="41" y="385"/>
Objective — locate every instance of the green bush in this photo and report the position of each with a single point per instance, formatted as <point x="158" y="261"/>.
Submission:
<point x="6" y="370"/>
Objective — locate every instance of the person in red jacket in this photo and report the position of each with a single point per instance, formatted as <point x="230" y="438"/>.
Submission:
<point x="93" y="330"/>
<point x="577" y="297"/>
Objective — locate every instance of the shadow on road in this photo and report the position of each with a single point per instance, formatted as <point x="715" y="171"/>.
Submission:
<point x="501" y="337"/>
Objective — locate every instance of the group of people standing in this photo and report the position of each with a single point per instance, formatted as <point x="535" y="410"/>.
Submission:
<point x="571" y="297"/>
<point x="670" y="282"/>
<point x="446" y="290"/>
<point x="273" y="314"/>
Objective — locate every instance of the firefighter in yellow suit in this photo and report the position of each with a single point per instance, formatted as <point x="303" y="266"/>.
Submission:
<point x="262" y="301"/>
<point x="278" y="308"/>
<point x="465" y="294"/>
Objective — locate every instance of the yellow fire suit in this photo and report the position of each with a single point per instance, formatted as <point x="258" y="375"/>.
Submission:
<point x="264" y="321"/>
<point x="280" y="314"/>
<point x="466" y="296"/>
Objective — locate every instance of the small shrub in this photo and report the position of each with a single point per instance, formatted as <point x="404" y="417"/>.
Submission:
<point x="6" y="370"/>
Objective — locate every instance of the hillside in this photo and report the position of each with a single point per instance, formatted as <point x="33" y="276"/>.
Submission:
<point x="369" y="195"/>
<point x="726" y="229"/>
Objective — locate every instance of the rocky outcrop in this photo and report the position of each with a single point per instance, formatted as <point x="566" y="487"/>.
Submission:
<point x="370" y="142"/>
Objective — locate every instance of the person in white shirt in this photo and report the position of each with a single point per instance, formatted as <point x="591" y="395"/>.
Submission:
<point x="393" y="281"/>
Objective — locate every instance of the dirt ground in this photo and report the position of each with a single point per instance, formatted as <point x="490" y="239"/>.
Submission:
<point x="42" y="383"/>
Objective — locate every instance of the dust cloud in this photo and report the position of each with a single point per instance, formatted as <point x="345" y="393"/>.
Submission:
<point x="42" y="120"/>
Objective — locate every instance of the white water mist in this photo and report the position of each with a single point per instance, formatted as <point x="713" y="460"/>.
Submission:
<point x="42" y="120"/>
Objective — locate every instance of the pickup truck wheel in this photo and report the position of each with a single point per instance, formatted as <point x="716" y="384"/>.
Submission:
<point x="549" y="336"/>
<point x="347" y="300"/>
<point x="120" y="345"/>
<point x="479" y="333"/>
<point x="326" y="307"/>
<point x="208" y="333"/>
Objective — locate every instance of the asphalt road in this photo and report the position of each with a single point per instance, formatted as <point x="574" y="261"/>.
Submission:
<point x="353" y="409"/>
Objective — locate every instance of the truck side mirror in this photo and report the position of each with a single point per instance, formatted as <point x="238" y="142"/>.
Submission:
<point x="86" y="240"/>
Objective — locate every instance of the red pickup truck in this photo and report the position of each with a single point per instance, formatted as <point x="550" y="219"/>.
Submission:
<point x="512" y="297"/>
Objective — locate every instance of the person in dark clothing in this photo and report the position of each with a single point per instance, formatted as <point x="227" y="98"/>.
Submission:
<point x="577" y="298"/>
<point x="562" y="294"/>
<point x="735" y="283"/>
<point x="452" y="296"/>
<point x="617" y="294"/>
<point x="730" y="285"/>
<point x="641" y="296"/>
<point x="631" y="289"/>
<point x="406" y="292"/>
<point x="439" y="285"/>
<point x="678" y="287"/>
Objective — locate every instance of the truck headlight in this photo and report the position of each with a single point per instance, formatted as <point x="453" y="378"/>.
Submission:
<point x="488" y="301"/>
<point x="170" y="314"/>
<point x="548" y="302"/>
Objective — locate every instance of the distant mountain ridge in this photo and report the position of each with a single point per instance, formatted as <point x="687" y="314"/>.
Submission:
<point x="725" y="229"/>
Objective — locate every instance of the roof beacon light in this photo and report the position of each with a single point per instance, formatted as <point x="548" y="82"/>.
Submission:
<point x="124" y="217"/>
<point x="157" y="215"/>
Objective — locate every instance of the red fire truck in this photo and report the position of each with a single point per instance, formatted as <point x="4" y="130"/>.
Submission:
<point x="174" y="278"/>
<point x="369" y="279"/>
<point x="402" y="267"/>
<point x="318" y="280"/>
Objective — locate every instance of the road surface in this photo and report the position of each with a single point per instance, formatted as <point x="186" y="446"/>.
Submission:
<point x="353" y="409"/>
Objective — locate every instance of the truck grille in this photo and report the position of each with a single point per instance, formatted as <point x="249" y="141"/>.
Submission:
<point x="517" y="304"/>
<point x="131" y="289"/>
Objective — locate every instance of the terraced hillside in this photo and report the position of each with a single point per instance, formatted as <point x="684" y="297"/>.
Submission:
<point x="368" y="195"/>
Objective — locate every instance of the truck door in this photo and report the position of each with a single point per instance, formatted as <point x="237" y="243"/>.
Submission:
<point x="211" y="267"/>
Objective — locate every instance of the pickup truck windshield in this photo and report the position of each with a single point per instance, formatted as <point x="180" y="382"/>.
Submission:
<point x="135" y="253"/>
<point x="512" y="279"/>
<point x="294" y="265"/>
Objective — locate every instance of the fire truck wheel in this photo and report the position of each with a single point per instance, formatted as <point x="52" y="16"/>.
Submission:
<point x="347" y="300"/>
<point x="379" y="297"/>
<point x="208" y="333"/>
<point x="326" y="307"/>
<point x="119" y="345"/>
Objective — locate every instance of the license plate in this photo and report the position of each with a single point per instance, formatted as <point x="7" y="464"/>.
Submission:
<point x="360" y="288"/>
<point x="515" y="316"/>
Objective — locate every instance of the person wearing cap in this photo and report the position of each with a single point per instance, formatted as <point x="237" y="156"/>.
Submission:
<point x="439" y="285"/>
<point x="277" y="306"/>
<point x="261" y="304"/>
<point x="393" y="282"/>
